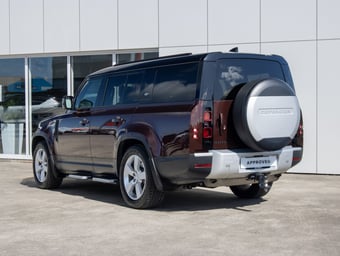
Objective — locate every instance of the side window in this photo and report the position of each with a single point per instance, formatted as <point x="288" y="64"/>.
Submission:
<point x="113" y="95"/>
<point x="175" y="83"/>
<point x="147" y="87"/>
<point x="132" y="88"/>
<point x="123" y="89"/>
<point x="88" y="95"/>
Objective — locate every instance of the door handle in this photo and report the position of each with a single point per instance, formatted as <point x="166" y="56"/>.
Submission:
<point x="117" y="120"/>
<point x="84" y="122"/>
<point x="221" y="124"/>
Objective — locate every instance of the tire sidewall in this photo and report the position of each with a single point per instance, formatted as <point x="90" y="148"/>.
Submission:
<point x="251" y="191"/>
<point x="143" y="201"/>
<point x="240" y="119"/>
<point x="51" y="180"/>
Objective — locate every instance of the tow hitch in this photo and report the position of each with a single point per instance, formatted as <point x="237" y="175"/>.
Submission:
<point x="262" y="179"/>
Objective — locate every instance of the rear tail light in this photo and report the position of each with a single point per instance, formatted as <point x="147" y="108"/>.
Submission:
<point x="195" y="134"/>
<point x="207" y="115"/>
<point x="300" y="130"/>
<point x="207" y="128"/>
<point x="207" y="132"/>
<point x="202" y="128"/>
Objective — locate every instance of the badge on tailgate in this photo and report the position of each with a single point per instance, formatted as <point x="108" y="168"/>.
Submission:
<point x="250" y="163"/>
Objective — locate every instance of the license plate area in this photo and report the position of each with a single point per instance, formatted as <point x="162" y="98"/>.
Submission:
<point x="260" y="162"/>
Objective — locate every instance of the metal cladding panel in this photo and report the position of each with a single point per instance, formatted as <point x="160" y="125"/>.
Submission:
<point x="61" y="25"/>
<point x="26" y="35"/>
<point x="4" y="27"/>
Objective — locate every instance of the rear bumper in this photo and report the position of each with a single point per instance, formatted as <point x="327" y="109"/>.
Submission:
<point x="225" y="165"/>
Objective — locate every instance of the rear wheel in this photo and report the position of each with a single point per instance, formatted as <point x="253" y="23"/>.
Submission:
<point x="251" y="190"/>
<point x="136" y="182"/>
<point x="43" y="168"/>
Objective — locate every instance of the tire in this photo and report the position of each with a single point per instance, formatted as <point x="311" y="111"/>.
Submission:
<point x="43" y="168"/>
<point x="250" y="191"/>
<point x="266" y="114"/>
<point x="136" y="182"/>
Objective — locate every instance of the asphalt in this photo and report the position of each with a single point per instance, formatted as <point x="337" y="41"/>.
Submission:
<point x="300" y="216"/>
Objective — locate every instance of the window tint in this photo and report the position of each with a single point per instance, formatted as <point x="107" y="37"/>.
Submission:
<point x="87" y="97"/>
<point x="175" y="83"/>
<point x="123" y="89"/>
<point x="114" y="90"/>
<point x="234" y="72"/>
<point x="147" y="87"/>
<point x="132" y="88"/>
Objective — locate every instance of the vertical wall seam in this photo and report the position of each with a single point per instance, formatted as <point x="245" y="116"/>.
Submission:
<point x="79" y="25"/>
<point x="260" y="24"/>
<point x="317" y="84"/>
<point x="117" y="24"/>
<point x="207" y="25"/>
<point x="43" y="24"/>
<point x="158" y="26"/>
<point x="9" y="27"/>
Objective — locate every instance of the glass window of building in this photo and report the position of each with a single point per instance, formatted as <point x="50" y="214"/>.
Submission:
<point x="128" y="57"/>
<point x="12" y="106"/>
<point x="49" y="85"/>
<point x="85" y="65"/>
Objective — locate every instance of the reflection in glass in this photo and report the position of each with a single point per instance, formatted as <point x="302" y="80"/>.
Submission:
<point x="85" y="65"/>
<point x="49" y="85"/>
<point x="12" y="106"/>
<point x="129" y="57"/>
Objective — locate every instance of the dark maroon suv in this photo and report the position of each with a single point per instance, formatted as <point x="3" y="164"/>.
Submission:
<point x="213" y="119"/>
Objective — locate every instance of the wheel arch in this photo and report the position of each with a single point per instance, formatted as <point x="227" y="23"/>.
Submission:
<point x="135" y="139"/>
<point x="41" y="137"/>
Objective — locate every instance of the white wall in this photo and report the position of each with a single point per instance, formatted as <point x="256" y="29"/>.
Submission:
<point x="138" y="24"/>
<point x="4" y="27"/>
<point x="27" y="36"/>
<point x="305" y="32"/>
<point x="98" y="25"/>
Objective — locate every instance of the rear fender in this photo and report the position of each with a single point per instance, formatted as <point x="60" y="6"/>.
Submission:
<point x="130" y="139"/>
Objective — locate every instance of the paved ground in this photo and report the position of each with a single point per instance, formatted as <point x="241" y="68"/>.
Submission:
<point x="300" y="216"/>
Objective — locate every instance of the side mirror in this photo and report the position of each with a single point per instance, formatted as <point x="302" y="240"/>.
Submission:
<point x="67" y="102"/>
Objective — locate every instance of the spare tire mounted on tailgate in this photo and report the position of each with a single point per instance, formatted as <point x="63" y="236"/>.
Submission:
<point x="266" y="114"/>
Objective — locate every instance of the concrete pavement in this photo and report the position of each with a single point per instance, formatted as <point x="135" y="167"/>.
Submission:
<point x="300" y="216"/>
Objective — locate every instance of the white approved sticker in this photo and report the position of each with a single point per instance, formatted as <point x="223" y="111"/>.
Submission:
<point x="258" y="162"/>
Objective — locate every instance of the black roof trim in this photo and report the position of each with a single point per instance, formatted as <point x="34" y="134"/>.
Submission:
<point x="183" y="58"/>
<point x="156" y="58"/>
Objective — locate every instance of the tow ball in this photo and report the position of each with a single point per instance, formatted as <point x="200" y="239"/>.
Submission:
<point x="262" y="179"/>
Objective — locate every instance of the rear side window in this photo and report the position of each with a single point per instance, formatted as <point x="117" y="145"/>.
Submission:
<point x="175" y="83"/>
<point x="234" y="72"/>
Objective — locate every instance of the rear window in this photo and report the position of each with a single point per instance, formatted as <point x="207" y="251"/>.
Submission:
<point x="234" y="72"/>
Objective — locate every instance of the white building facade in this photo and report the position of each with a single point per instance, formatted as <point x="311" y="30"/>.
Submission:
<point x="48" y="46"/>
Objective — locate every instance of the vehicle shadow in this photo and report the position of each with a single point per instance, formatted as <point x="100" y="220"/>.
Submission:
<point x="106" y="193"/>
<point x="199" y="199"/>
<point x="196" y="199"/>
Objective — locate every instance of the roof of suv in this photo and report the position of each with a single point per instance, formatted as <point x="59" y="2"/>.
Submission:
<point x="184" y="58"/>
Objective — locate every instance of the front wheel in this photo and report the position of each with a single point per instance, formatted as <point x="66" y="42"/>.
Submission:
<point x="42" y="168"/>
<point x="136" y="182"/>
<point x="251" y="190"/>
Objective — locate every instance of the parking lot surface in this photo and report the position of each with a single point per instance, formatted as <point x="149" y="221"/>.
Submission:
<point x="300" y="216"/>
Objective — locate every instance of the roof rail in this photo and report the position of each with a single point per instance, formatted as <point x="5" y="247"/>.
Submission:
<point x="157" y="58"/>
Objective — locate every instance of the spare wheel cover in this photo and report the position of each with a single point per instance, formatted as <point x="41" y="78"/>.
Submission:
<point x="266" y="114"/>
